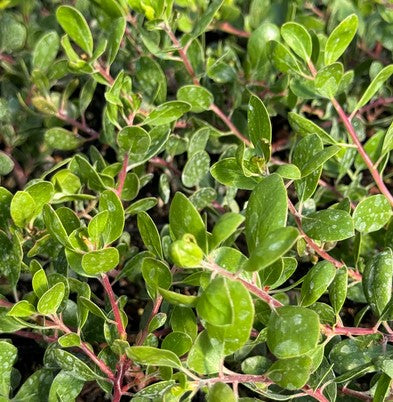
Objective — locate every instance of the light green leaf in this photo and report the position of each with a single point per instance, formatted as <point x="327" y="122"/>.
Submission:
<point x="153" y="356"/>
<point x="259" y="127"/>
<point x="201" y="25"/>
<point x="292" y="331"/>
<point x="97" y="226"/>
<point x="62" y="139"/>
<point x="116" y="34"/>
<point x="283" y="59"/>
<point x="167" y="113"/>
<point x="100" y="261"/>
<point x="340" y="38"/>
<point x="149" y="234"/>
<point x="156" y="275"/>
<point x="198" y="97"/>
<point x="178" y="299"/>
<point x="338" y="289"/>
<point x="22" y="309"/>
<point x="45" y="50"/>
<point x="316" y="282"/>
<point x="69" y="340"/>
<point x="375" y="85"/>
<point x="298" y="39"/>
<point x="110" y="202"/>
<point x="372" y="213"/>
<point x="36" y="387"/>
<point x="328" y="225"/>
<point x="266" y="210"/>
<point x="270" y="249"/>
<point x="65" y="386"/>
<point x="327" y="80"/>
<point x="221" y="392"/>
<point x="6" y="164"/>
<point x="196" y="167"/>
<point x="11" y="260"/>
<point x="22" y="208"/>
<point x="55" y="227"/>
<point x="177" y="342"/>
<point x="8" y="354"/>
<point x="50" y="301"/>
<point x="75" y="25"/>
<point x="225" y="226"/>
<point x="289" y="171"/>
<point x="318" y="159"/>
<point x="134" y="140"/>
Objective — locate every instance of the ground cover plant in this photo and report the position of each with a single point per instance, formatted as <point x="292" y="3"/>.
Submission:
<point x="196" y="200"/>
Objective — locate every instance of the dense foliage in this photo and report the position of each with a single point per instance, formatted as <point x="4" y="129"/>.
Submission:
<point x="195" y="200"/>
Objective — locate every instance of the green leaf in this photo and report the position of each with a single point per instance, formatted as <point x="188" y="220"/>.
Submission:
<point x="36" y="387"/>
<point x="327" y="80"/>
<point x="303" y="153"/>
<point x="45" y="50"/>
<point x="225" y="226"/>
<point x="88" y="174"/>
<point x="215" y="305"/>
<point x="319" y="159"/>
<point x="167" y="113"/>
<point x="202" y="24"/>
<point x="39" y="281"/>
<point x="205" y="356"/>
<point x="298" y="39"/>
<point x="156" y="275"/>
<point x="289" y="171"/>
<point x="134" y="140"/>
<point x="291" y="373"/>
<point x="110" y="7"/>
<point x="338" y="289"/>
<point x="76" y="367"/>
<point x="259" y="127"/>
<point x="383" y="388"/>
<point x="69" y="340"/>
<point x="372" y="213"/>
<point x="221" y="392"/>
<point x="178" y="299"/>
<point x="198" y="97"/>
<point x="305" y="127"/>
<point x="12" y="33"/>
<point x="183" y="320"/>
<point x="11" y="260"/>
<point x="328" y="225"/>
<point x="65" y="386"/>
<point x="177" y="342"/>
<point x="274" y="246"/>
<point x="283" y="59"/>
<point x="110" y="202"/>
<point x="266" y="210"/>
<point x="62" y="139"/>
<point x="42" y="193"/>
<point x="153" y="356"/>
<point x="50" y="301"/>
<point x="340" y="39"/>
<point x="149" y="234"/>
<point x="22" y="208"/>
<point x="100" y="261"/>
<point x="316" y="282"/>
<point x="227" y="171"/>
<point x="92" y="307"/>
<point x="55" y="227"/>
<point x="195" y="169"/>
<point x="75" y="25"/>
<point x="6" y="164"/>
<point x="185" y="219"/>
<point x="185" y="253"/>
<point x="97" y="226"/>
<point x="157" y="321"/>
<point x="8" y="354"/>
<point x="377" y="280"/>
<point x="374" y="86"/>
<point x="22" y="309"/>
<point x="235" y="335"/>
<point x="292" y="331"/>
<point x="116" y="34"/>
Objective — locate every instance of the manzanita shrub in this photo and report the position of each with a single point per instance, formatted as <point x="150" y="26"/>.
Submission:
<point x="196" y="200"/>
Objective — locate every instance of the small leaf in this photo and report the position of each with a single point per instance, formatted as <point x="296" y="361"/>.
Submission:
<point x="215" y="305"/>
<point x="283" y="59"/>
<point x="100" y="261"/>
<point x="298" y="39"/>
<point x="195" y="169"/>
<point x="198" y="97"/>
<point x="110" y="202"/>
<point x="6" y="164"/>
<point x="178" y="299"/>
<point x="202" y="24"/>
<point x="340" y="38"/>
<point x="55" y="227"/>
<point x="291" y="373"/>
<point x="259" y="127"/>
<point x="167" y="113"/>
<point x="65" y="386"/>
<point x="156" y="275"/>
<point x="22" y="309"/>
<point x="97" y="226"/>
<point x="153" y="356"/>
<point x="225" y="226"/>
<point x="92" y="307"/>
<point x="157" y="321"/>
<point x="177" y="342"/>
<point x="134" y="140"/>
<point x="149" y="234"/>
<point x="266" y="210"/>
<point x="328" y="225"/>
<point x="283" y="341"/>
<point x="319" y="159"/>
<point x="372" y="213"/>
<point x="75" y="25"/>
<point x="69" y="340"/>
<point x="50" y="301"/>
<point x="327" y="80"/>
<point x="116" y="34"/>
<point x="274" y="246"/>
<point x="8" y="354"/>
<point x="316" y="282"/>
<point x="22" y="208"/>
<point x="289" y="171"/>
<point x="338" y="289"/>
<point x="45" y="50"/>
<point x="62" y="139"/>
<point x="383" y="388"/>
<point x="375" y="85"/>
<point x="221" y="392"/>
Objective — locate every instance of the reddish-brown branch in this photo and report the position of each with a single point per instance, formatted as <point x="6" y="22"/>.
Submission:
<point x="82" y="127"/>
<point x="228" y="28"/>
<point x="364" y="396"/>
<point x="349" y="331"/>
<point x="143" y="334"/>
<point x="115" y="308"/>
<point x="370" y="165"/>
<point x="37" y="337"/>
<point x="122" y="175"/>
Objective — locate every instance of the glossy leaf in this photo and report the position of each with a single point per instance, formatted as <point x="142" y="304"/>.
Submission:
<point x="198" y="97"/>
<point x="167" y="113"/>
<point x="62" y="139"/>
<point x="372" y="213"/>
<point x="50" y="301"/>
<point x="65" y="385"/>
<point x="338" y="289"/>
<point x="8" y="354"/>
<point x="153" y="356"/>
<point x="134" y="140"/>
<point x="100" y="261"/>
<point x="110" y="202"/>
<point x="298" y="39"/>
<point x="22" y="208"/>
<point x="149" y="234"/>
<point x="283" y="59"/>
<point x="327" y="80"/>
<point x="195" y="169"/>
<point x="156" y="274"/>
<point x="221" y="392"/>
<point x="22" y="309"/>
<point x="55" y="227"/>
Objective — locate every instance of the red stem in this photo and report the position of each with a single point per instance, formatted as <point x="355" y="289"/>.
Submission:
<point x="228" y="28"/>
<point x="156" y="307"/>
<point x="115" y="308"/>
<point x="357" y="394"/>
<point x="122" y="175"/>
<point x="82" y="127"/>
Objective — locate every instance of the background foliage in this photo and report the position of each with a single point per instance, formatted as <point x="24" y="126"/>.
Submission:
<point x="195" y="200"/>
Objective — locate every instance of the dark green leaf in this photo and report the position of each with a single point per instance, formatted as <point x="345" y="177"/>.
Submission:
<point x="153" y="356"/>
